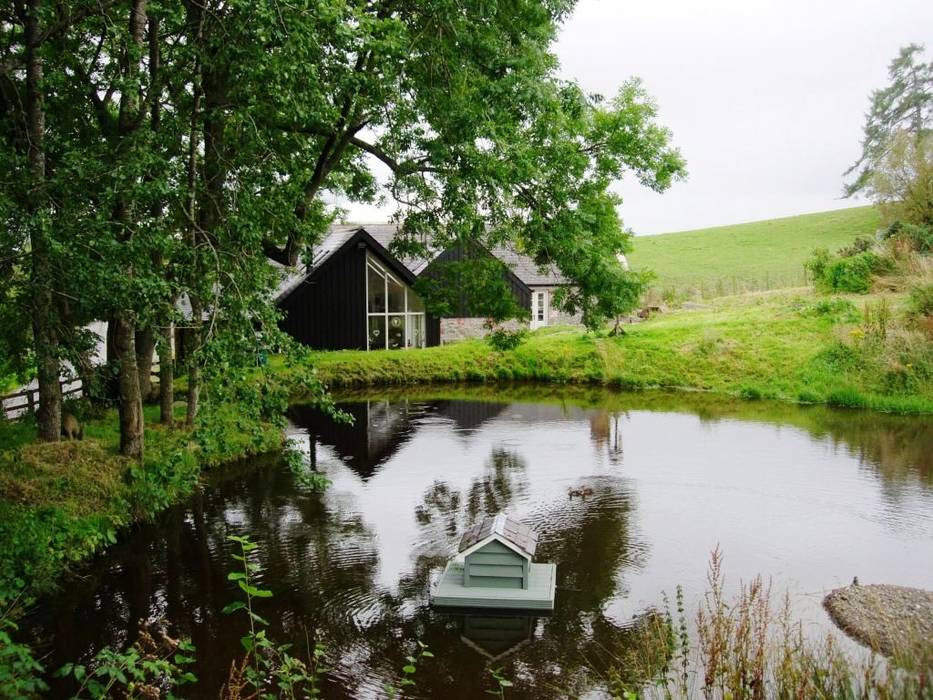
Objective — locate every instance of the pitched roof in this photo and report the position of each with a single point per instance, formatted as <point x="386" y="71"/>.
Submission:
<point x="526" y="269"/>
<point x="520" y="264"/>
<point x="512" y="531"/>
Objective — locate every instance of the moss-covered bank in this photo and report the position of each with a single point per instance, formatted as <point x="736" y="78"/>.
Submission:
<point x="787" y="346"/>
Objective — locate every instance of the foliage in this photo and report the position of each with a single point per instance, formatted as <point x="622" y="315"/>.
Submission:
<point x="503" y="339"/>
<point x="152" y="667"/>
<point x="186" y="146"/>
<point x="852" y="274"/>
<point x="308" y="478"/>
<point x="860" y="245"/>
<point x="501" y="683"/>
<point x="919" y="237"/>
<point x="921" y="300"/>
<point x="409" y="670"/>
<point x="731" y="260"/>
<point x="902" y="184"/>
<point x="475" y="286"/>
<point x="267" y="669"/>
<point x="904" y="106"/>
<point x="20" y="672"/>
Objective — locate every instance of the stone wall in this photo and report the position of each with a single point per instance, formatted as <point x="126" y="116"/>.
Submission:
<point x="455" y="329"/>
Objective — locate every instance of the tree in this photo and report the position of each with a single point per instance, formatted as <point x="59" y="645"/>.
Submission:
<point x="187" y="144"/>
<point x="904" y="106"/>
<point x="902" y="183"/>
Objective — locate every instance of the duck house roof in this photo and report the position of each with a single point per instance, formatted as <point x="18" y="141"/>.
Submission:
<point x="509" y="530"/>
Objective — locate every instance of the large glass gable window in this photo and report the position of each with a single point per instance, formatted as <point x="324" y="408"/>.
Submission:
<point x="394" y="313"/>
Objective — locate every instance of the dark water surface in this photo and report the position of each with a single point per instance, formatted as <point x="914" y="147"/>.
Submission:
<point x="807" y="497"/>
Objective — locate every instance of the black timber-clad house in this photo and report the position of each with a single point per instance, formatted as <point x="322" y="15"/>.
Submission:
<point x="355" y="295"/>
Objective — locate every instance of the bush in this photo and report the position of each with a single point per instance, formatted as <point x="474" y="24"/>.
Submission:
<point x="921" y="300"/>
<point x="852" y="274"/>
<point x="503" y="339"/>
<point x="817" y="263"/>
<point x="859" y="245"/>
<point x="919" y="236"/>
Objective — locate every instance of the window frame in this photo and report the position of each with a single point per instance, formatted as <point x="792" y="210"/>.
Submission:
<point x="406" y="315"/>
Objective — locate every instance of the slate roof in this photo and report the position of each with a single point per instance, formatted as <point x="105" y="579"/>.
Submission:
<point x="336" y="238"/>
<point x="502" y="525"/>
<point x="526" y="269"/>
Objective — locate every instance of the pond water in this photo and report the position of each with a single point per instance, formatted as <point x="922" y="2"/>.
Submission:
<point x="807" y="497"/>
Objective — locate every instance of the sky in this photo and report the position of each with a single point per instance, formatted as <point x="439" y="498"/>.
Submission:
<point x="765" y="99"/>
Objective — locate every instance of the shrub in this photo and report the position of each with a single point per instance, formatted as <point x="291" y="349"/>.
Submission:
<point x="918" y="236"/>
<point x="852" y="274"/>
<point x="921" y="300"/>
<point x="859" y="245"/>
<point x="817" y="263"/>
<point x="750" y="393"/>
<point x="503" y="339"/>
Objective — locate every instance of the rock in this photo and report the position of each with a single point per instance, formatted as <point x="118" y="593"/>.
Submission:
<point x="892" y="620"/>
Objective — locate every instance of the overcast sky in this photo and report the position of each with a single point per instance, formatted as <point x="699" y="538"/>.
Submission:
<point x="765" y="99"/>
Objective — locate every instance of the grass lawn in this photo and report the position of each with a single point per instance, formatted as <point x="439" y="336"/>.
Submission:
<point x="759" y="255"/>
<point x="781" y="345"/>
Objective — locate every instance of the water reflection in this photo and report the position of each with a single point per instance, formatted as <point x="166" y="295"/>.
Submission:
<point x="783" y="490"/>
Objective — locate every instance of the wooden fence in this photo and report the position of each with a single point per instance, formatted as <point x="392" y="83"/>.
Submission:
<point x="27" y="400"/>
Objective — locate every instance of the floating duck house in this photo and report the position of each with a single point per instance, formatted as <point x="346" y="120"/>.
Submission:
<point x="494" y="569"/>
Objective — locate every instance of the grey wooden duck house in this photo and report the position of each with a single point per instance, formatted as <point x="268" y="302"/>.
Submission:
<point x="494" y="569"/>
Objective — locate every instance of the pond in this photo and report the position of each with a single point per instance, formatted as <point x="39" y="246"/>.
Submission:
<point x="807" y="497"/>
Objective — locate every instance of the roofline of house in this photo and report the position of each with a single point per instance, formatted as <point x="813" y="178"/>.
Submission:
<point x="361" y="235"/>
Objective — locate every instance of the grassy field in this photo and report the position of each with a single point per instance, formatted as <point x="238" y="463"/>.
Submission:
<point x="786" y="345"/>
<point x="755" y="256"/>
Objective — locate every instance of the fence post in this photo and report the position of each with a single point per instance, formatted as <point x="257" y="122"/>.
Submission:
<point x="30" y="402"/>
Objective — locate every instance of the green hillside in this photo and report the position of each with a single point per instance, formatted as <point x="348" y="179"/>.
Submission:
<point x="747" y="257"/>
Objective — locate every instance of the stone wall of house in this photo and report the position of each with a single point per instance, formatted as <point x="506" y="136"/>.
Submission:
<point x="558" y="317"/>
<point x="456" y="329"/>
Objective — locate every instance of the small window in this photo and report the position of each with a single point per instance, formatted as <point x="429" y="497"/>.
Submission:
<point x="396" y="331"/>
<point x="376" y="290"/>
<point x="396" y="295"/>
<point x="415" y="304"/>
<point x="377" y="332"/>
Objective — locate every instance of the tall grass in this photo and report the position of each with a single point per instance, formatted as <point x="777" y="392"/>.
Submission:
<point x="746" y="648"/>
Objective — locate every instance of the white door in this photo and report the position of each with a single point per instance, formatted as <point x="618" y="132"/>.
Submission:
<point x="539" y="309"/>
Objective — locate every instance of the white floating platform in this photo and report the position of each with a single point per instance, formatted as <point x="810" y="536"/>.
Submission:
<point x="539" y="595"/>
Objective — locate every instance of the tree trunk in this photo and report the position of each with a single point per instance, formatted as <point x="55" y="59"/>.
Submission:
<point x="194" y="370"/>
<point x="131" y="407"/>
<point x="145" y="345"/>
<point x="44" y="328"/>
<point x="166" y="377"/>
<point x="130" y="400"/>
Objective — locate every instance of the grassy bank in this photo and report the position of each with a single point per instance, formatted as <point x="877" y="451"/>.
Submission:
<point x="759" y="255"/>
<point x="60" y="502"/>
<point x="788" y="346"/>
